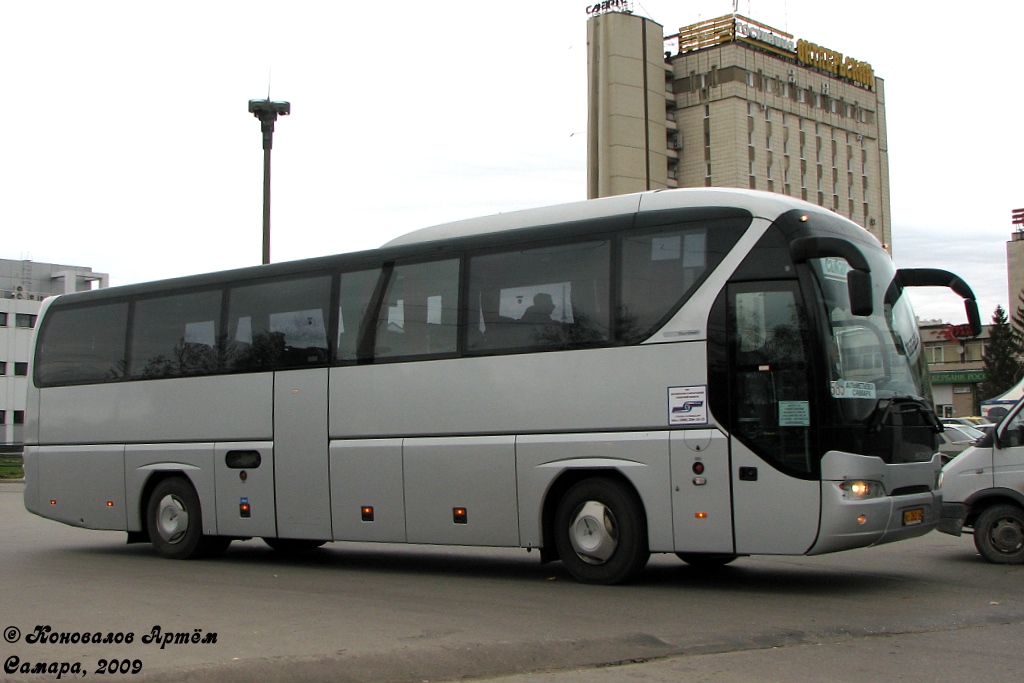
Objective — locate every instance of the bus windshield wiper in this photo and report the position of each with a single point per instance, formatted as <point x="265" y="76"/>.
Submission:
<point x="901" y="405"/>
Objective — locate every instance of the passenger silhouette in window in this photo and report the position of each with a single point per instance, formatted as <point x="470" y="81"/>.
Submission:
<point x="540" y="311"/>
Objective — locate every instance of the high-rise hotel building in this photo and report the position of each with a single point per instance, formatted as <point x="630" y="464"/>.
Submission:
<point x="733" y="102"/>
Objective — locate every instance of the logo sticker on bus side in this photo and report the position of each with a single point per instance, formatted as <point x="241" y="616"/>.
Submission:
<point x="688" y="405"/>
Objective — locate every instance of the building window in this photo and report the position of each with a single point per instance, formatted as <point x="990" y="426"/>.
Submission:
<point x="937" y="354"/>
<point x="21" y="369"/>
<point x="25" y="320"/>
<point x="750" y="79"/>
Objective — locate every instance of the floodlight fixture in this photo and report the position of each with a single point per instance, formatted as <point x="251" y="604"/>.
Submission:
<point x="267" y="112"/>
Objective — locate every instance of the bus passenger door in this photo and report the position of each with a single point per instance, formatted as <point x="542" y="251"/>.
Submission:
<point x="775" y="487"/>
<point x="301" y="473"/>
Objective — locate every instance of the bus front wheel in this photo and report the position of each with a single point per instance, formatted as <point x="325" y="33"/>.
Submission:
<point x="999" y="534"/>
<point x="601" y="532"/>
<point x="174" y="520"/>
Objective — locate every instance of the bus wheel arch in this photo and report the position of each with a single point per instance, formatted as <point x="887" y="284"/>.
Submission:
<point x="596" y="523"/>
<point x="173" y="519"/>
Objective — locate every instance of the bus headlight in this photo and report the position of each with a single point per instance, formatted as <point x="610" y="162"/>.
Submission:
<point x="857" y="489"/>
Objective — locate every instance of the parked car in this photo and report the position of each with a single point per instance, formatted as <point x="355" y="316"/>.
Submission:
<point x="955" y="438"/>
<point x="983" y="492"/>
<point x="973" y="421"/>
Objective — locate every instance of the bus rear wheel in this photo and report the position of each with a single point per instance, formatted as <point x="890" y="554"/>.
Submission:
<point x="601" y="532"/>
<point x="999" y="534"/>
<point x="174" y="520"/>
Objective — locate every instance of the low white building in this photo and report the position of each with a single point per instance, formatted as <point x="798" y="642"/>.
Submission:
<point x="23" y="286"/>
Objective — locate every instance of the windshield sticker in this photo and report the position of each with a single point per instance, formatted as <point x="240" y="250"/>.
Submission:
<point x="688" y="405"/>
<point x="841" y="388"/>
<point x="794" y="414"/>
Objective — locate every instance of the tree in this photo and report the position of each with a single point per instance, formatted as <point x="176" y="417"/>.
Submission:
<point x="1001" y="358"/>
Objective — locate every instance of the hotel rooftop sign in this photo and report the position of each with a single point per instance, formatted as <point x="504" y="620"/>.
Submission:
<point x="734" y="27"/>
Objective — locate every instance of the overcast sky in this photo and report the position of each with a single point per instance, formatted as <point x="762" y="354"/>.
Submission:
<point x="128" y="147"/>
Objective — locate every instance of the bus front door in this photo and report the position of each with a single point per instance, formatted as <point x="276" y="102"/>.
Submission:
<point x="776" y="493"/>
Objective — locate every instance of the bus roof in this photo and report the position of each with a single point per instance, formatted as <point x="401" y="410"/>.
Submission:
<point x="759" y="203"/>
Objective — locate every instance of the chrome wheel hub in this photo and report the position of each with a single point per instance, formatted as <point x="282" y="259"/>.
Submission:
<point x="593" y="533"/>
<point x="172" y="519"/>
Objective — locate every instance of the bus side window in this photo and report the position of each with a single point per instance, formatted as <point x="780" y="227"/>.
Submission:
<point x="82" y="345"/>
<point x="545" y="298"/>
<point x="357" y="290"/>
<point x="419" y="313"/>
<point x="278" y="324"/>
<point x="176" y="335"/>
<point x="660" y="266"/>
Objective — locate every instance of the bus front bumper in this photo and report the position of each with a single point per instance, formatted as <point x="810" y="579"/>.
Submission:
<point x="851" y="523"/>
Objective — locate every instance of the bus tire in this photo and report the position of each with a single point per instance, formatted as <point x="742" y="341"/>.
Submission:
<point x="999" y="534"/>
<point x="706" y="560"/>
<point x="291" y="546"/>
<point x="601" y="532"/>
<point x="174" y="519"/>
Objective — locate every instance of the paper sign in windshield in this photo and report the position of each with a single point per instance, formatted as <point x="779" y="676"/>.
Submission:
<point x="844" y="389"/>
<point x="794" y="414"/>
<point x="688" y="405"/>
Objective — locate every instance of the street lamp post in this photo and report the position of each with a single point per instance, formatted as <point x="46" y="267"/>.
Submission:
<point x="267" y="112"/>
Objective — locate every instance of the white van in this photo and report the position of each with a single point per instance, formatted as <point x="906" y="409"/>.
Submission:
<point x="983" y="492"/>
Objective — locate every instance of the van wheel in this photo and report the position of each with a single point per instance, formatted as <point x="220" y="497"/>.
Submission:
<point x="174" y="520"/>
<point x="999" y="534"/>
<point x="601" y="532"/>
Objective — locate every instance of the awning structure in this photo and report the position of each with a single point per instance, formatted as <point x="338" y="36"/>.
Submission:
<point x="996" y="408"/>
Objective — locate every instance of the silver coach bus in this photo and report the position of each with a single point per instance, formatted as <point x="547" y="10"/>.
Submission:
<point x="711" y="372"/>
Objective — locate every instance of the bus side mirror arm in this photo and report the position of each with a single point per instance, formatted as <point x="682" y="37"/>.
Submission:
<point x="933" y="277"/>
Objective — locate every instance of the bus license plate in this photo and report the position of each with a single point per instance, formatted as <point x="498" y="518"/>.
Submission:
<point x="913" y="516"/>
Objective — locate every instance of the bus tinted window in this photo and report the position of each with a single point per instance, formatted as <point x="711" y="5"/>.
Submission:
<point x="82" y="345"/>
<point x="661" y="267"/>
<point x="539" y="299"/>
<point x="176" y="336"/>
<point x="419" y="314"/>
<point x="279" y="324"/>
<point x="356" y="294"/>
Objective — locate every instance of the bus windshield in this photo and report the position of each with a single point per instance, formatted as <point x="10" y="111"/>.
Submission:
<point x="876" y="371"/>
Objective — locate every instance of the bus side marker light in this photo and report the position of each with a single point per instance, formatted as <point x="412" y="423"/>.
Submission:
<point x="700" y="515"/>
<point x="243" y="508"/>
<point x="53" y="502"/>
<point x="862" y="519"/>
<point x="460" y="516"/>
<point x="110" y="503"/>
<point x="367" y="513"/>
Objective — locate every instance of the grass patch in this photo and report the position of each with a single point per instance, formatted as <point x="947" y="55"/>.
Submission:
<point x="10" y="467"/>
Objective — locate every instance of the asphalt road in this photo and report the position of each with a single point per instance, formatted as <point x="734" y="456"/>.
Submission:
<point x="927" y="609"/>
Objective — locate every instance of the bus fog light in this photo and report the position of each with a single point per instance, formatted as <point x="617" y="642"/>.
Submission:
<point x="856" y="489"/>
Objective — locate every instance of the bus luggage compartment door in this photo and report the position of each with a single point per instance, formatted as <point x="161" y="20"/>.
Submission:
<point x="245" y="488"/>
<point x="701" y="499"/>
<point x="301" y="476"/>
